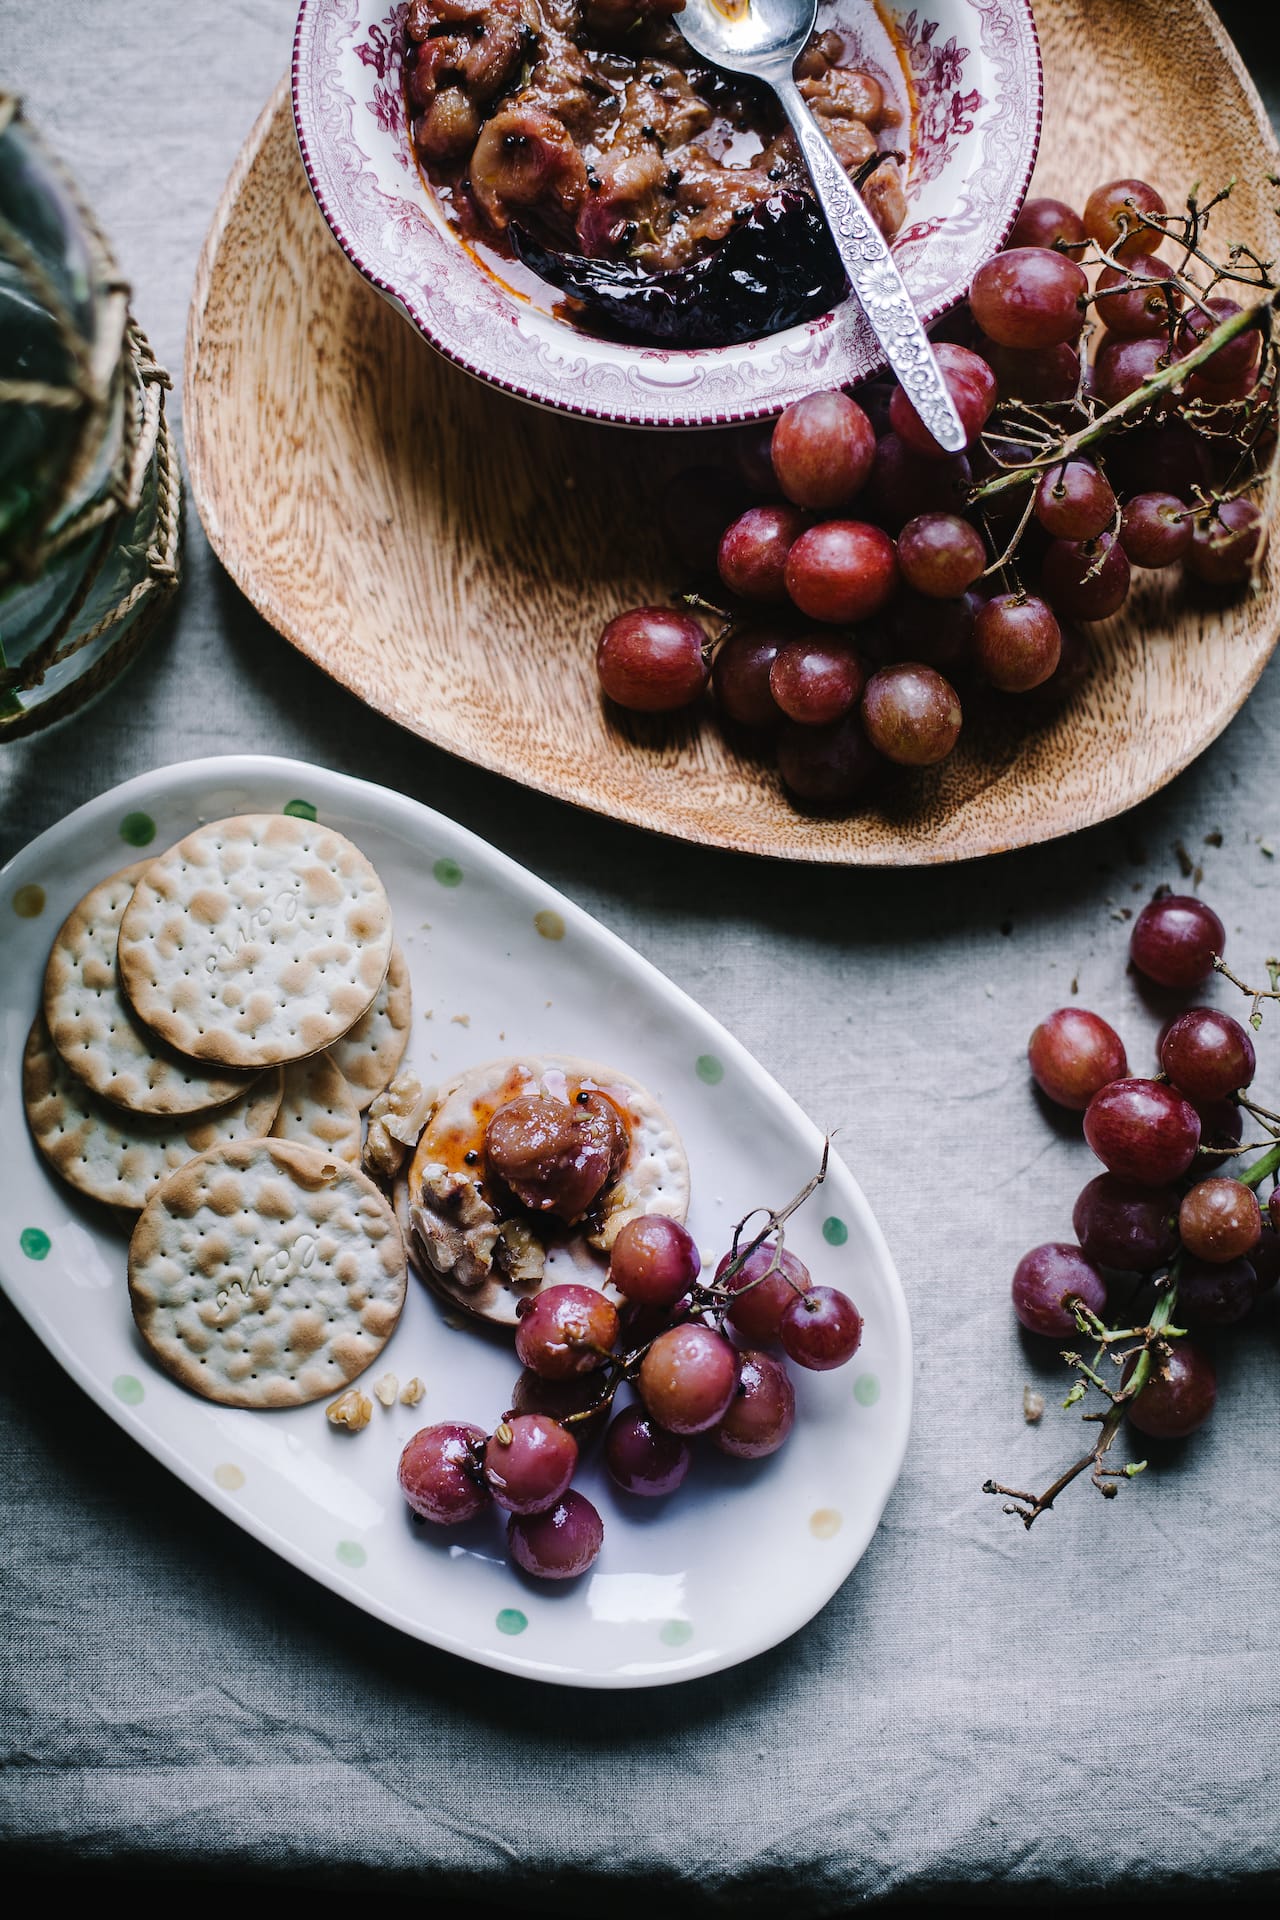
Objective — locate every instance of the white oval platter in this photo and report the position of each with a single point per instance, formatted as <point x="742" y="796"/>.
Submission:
<point x="744" y="1554"/>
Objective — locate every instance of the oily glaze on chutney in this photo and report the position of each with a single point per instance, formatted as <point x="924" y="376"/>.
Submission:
<point x="585" y="137"/>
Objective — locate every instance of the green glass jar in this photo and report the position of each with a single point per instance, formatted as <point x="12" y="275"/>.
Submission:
<point x="90" y="493"/>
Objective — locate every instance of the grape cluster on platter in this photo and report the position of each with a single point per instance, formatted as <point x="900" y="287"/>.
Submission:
<point x="702" y="1358"/>
<point x="1164" y="1233"/>
<point x="866" y="579"/>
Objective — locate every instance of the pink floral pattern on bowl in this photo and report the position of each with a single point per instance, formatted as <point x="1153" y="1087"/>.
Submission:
<point x="965" y="72"/>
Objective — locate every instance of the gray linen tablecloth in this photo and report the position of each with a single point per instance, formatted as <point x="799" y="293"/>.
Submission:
<point x="1094" y="1705"/>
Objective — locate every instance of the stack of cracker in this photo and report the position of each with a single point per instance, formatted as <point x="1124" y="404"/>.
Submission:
<point x="215" y="1022"/>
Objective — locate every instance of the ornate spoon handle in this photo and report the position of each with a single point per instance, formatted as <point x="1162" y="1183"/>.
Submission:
<point x="873" y="276"/>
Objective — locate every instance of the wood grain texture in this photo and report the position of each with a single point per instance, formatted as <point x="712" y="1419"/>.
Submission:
<point x="450" y="554"/>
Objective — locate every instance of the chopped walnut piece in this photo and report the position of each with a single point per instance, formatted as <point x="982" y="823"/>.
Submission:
<point x="520" y="1253"/>
<point x="396" y="1118"/>
<point x="386" y="1389"/>
<point x="352" y="1410"/>
<point x="412" y="1392"/>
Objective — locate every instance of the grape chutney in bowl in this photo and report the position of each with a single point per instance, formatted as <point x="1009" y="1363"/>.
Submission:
<point x="409" y="156"/>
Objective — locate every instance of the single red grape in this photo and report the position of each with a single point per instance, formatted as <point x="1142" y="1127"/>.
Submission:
<point x="816" y="679"/>
<point x="1034" y="373"/>
<point x="762" y="1296"/>
<point x="828" y="766"/>
<point x="1130" y="1228"/>
<point x="1174" y="941"/>
<point x="740" y="675"/>
<point x="904" y="483"/>
<point x="753" y="551"/>
<point x="642" y="1457"/>
<point x="1231" y="372"/>
<point x="1155" y="530"/>
<point x="1221" y="1126"/>
<point x="559" y="1543"/>
<point x="1179" y="1394"/>
<point x="822" y="450"/>
<point x="1143" y="1131"/>
<point x="821" y="1329"/>
<point x="1111" y="218"/>
<point x="762" y="1411"/>
<point x="561" y="1333"/>
<point x="654" y="1260"/>
<point x="937" y="633"/>
<point x="1073" y="1054"/>
<point x="529" y="1462"/>
<point x="1017" y="641"/>
<point x="1162" y="456"/>
<point x="557" y="1398"/>
<point x="1121" y="366"/>
<point x="911" y="714"/>
<point x="1074" y="501"/>
<point x="1086" y="579"/>
<point x="1045" y="1283"/>
<point x="842" y="571"/>
<point x="1227" y="544"/>
<point x="1215" y="1294"/>
<point x="687" y="1378"/>
<point x="1220" y="1220"/>
<point x="972" y="387"/>
<point x="1207" y="1054"/>
<point x="440" y="1473"/>
<point x="1136" y="301"/>
<point x="1048" y="223"/>
<point x="652" y="660"/>
<point x="1029" y="297"/>
<point x="941" y="555"/>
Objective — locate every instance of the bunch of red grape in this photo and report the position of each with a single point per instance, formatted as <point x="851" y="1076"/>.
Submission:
<point x="870" y="574"/>
<point x="698" y="1357"/>
<point x="1163" y="1213"/>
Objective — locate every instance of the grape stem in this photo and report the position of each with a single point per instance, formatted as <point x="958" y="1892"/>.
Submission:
<point x="1256" y="994"/>
<point x="1134" y="403"/>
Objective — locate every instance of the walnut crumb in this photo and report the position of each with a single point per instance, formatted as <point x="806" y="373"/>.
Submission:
<point x="412" y="1392"/>
<point x="1032" y="1405"/>
<point x="460" y="1019"/>
<point x="352" y="1410"/>
<point x="386" y="1389"/>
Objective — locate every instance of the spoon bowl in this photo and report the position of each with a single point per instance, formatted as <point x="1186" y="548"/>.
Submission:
<point x="749" y="37"/>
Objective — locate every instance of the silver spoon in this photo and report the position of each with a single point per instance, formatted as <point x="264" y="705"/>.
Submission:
<point x="764" y="40"/>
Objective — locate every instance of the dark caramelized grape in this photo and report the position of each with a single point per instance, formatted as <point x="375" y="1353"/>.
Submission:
<point x="762" y="1411"/>
<point x="1220" y="1220"/>
<point x="822" y="451"/>
<point x="1207" y="1054"/>
<point x="1174" y="940"/>
<point x="1136" y="301"/>
<point x="828" y="766"/>
<point x="1227" y="544"/>
<point x="1131" y="1228"/>
<point x="1155" y="530"/>
<point x="1112" y="218"/>
<point x="941" y="555"/>
<point x="1046" y="1283"/>
<point x="911" y="714"/>
<point x="1143" y="1131"/>
<point x="1074" y="501"/>
<point x="1017" y="641"/>
<point x="753" y="551"/>
<point x="816" y="679"/>
<point x="1086" y="579"/>
<point x="740" y="675"/>
<point x="1029" y="297"/>
<point x="1073" y="1054"/>
<point x="1179" y="1394"/>
<point x="559" y="1543"/>
<point x="842" y="571"/>
<point x="652" y="660"/>
<point x="972" y="387"/>
<point x="1048" y="223"/>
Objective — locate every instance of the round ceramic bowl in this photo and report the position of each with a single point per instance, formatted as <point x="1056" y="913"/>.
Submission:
<point x="965" y="73"/>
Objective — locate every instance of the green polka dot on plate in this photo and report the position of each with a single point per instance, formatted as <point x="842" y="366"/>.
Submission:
<point x="28" y="901"/>
<point x="35" y="1242"/>
<point x="549" y="923"/>
<point x="351" y="1553"/>
<point x="866" y="1389"/>
<point x="675" y="1633"/>
<point x="299" y="809"/>
<point x="126" y="1388"/>
<point x="709" y="1069"/>
<point x="834" y="1231"/>
<point x="511" y="1620"/>
<point x="448" y="872"/>
<point x="138" y="829"/>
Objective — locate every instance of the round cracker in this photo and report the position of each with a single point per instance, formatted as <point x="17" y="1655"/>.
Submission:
<point x="319" y="1109"/>
<point x="116" y="1157"/>
<point x="97" y="1032"/>
<point x="369" y="1055"/>
<point x="266" y="1274"/>
<point x="255" y="941"/>
<point x="653" y="1179"/>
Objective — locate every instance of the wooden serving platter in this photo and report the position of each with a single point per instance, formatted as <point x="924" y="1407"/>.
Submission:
<point x="449" y="554"/>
